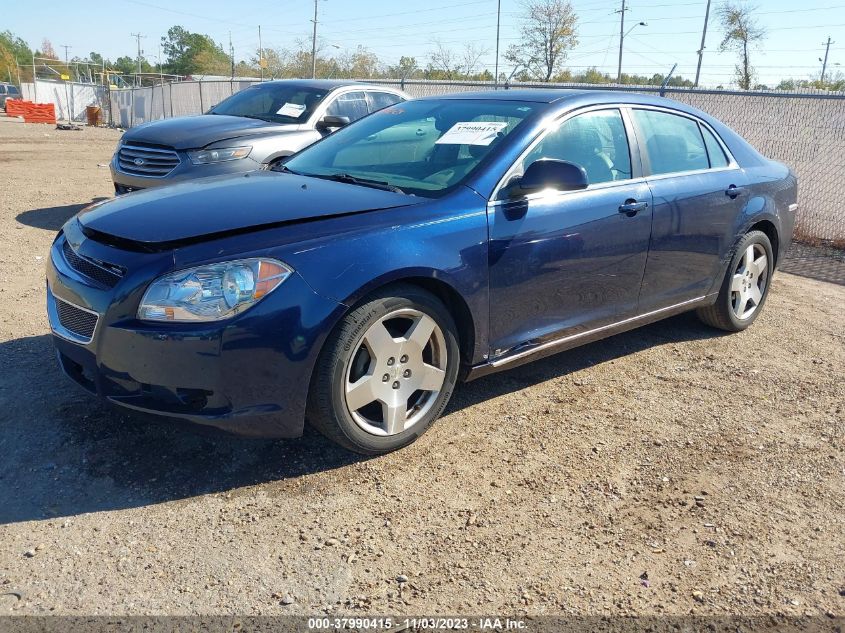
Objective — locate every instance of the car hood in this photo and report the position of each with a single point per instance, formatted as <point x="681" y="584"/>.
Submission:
<point x="195" y="132"/>
<point x="207" y="208"/>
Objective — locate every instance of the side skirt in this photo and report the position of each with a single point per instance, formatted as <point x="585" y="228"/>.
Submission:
<point x="536" y="350"/>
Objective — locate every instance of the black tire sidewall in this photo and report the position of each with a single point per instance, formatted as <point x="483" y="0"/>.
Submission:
<point x="362" y="318"/>
<point x="754" y="237"/>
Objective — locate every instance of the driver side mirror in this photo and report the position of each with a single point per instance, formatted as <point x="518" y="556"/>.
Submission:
<point x="547" y="173"/>
<point x="332" y="121"/>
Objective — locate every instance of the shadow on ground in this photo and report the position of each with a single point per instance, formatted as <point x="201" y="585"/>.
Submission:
<point x="820" y="263"/>
<point x="53" y="218"/>
<point x="67" y="453"/>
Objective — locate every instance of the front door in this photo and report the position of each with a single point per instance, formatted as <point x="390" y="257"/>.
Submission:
<point x="565" y="261"/>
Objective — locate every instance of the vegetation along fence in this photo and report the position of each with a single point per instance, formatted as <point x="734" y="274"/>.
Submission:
<point x="805" y="131"/>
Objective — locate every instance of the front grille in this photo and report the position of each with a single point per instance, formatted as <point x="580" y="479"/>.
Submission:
<point x="106" y="276"/>
<point x="147" y="161"/>
<point x="76" y="320"/>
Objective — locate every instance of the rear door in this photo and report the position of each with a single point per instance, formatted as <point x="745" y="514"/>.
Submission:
<point x="698" y="191"/>
<point x="562" y="262"/>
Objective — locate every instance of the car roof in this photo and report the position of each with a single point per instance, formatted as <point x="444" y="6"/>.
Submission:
<point x="572" y="98"/>
<point x="325" y="84"/>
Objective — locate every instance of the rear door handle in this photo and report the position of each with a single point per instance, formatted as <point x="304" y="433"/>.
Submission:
<point x="632" y="207"/>
<point x="733" y="192"/>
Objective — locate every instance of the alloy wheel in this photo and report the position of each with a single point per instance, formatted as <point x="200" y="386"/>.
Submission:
<point x="396" y="372"/>
<point x="748" y="285"/>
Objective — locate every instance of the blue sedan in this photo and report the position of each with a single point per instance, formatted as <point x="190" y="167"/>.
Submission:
<point x="434" y="241"/>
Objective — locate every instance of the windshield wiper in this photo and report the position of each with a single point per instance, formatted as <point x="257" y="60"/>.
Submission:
<point x="364" y="182"/>
<point x="255" y="116"/>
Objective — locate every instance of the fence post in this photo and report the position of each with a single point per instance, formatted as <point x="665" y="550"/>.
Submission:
<point x="202" y="108"/>
<point x="171" y="99"/>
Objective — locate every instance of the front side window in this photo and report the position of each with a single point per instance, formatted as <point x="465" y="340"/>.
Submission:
<point x="13" y="90"/>
<point x="276" y="103"/>
<point x="673" y="143"/>
<point x="422" y="147"/>
<point x="352" y="105"/>
<point x="595" y="140"/>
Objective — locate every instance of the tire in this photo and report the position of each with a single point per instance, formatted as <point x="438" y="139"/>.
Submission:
<point x="744" y="288"/>
<point x="382" y="379"/>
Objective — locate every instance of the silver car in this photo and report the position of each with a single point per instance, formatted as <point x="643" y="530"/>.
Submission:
<point x="253" y="129"/>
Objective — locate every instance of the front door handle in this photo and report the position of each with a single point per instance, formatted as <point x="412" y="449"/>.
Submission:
<point x="632" y="207"/>
<point x="733" y="192"/>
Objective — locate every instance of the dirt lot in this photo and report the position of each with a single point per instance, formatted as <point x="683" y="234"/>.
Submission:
<point x="665" y="471"/>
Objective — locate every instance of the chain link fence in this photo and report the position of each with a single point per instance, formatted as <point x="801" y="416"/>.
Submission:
<point x="804" y="131"/>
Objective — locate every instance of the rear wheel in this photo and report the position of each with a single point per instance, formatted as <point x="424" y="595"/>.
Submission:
<point x="386" y="372"/>
<point x="745" y="287"/>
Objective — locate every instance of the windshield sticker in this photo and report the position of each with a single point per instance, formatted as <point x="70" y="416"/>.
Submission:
<point x="294" y="110"/>
<point x="472" y="133"/>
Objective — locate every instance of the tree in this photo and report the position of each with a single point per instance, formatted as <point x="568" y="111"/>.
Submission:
<point x="741" y="33"/>
<point x="407" y="68"/>
<point x="193" y="53"/>
<point x="471" y="58"/>
<point x="548" y="33"/>
<point x="47" y="49"/>
<point x="14" y="50"/>
<point x="443" y="63"/>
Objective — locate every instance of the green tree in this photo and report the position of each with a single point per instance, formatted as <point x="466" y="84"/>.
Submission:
<point x="13" y="50"/>
<point x="548" y="33"/>
<point x="193" y="53"/>
<point x="741" y="33"/>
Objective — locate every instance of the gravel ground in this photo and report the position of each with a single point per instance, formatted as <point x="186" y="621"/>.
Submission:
<point x="670" y="470"/>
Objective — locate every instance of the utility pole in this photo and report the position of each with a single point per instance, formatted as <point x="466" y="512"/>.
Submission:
<point x="498" y="23"/>
<point x="314" y="45"/>
<point x="260" y="54"/>
<point x="138" y="37"/>
<point x="703" y="37"/>
<point x="232" y="55"/>
<point x="621" y="40"/>
<point x="68" y="91"/>
<point x="824" y="63"/>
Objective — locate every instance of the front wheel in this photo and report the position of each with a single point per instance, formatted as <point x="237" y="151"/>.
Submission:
<point x="386" y="372"/>
<point x="745" y="287"/>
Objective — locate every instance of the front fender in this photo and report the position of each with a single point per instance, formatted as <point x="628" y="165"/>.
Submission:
<point x="442" y="240"/>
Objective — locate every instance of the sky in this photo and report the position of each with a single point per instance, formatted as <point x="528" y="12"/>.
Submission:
<point x="797" y="31"/>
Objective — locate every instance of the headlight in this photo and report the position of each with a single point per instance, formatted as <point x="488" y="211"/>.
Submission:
<point x="213" y="292"/>
<point x="206" y="156"/>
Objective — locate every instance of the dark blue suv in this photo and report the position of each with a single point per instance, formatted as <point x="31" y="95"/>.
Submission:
<point x="436" y="240"/>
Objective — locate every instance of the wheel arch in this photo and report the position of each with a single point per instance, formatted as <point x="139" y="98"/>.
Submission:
<point x="768" y="227"/>
<point x="433" y="282"/>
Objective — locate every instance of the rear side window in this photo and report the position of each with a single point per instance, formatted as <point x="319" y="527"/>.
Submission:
<point x="379" y="100"/>
<point x="673" y="143"/>
<point x="351" y="104"/>
<point x="2" y="90"/>
<point x="714" y="150"/>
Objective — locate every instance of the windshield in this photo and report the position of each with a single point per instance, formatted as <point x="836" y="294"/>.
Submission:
<point x="277" y="103"/>
<point x="421" y="147"/>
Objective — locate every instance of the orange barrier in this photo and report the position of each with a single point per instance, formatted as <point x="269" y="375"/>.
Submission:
<point x="40" y="113"/>
<point x="31" y="112"/>
<point x="16" y="107"/>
